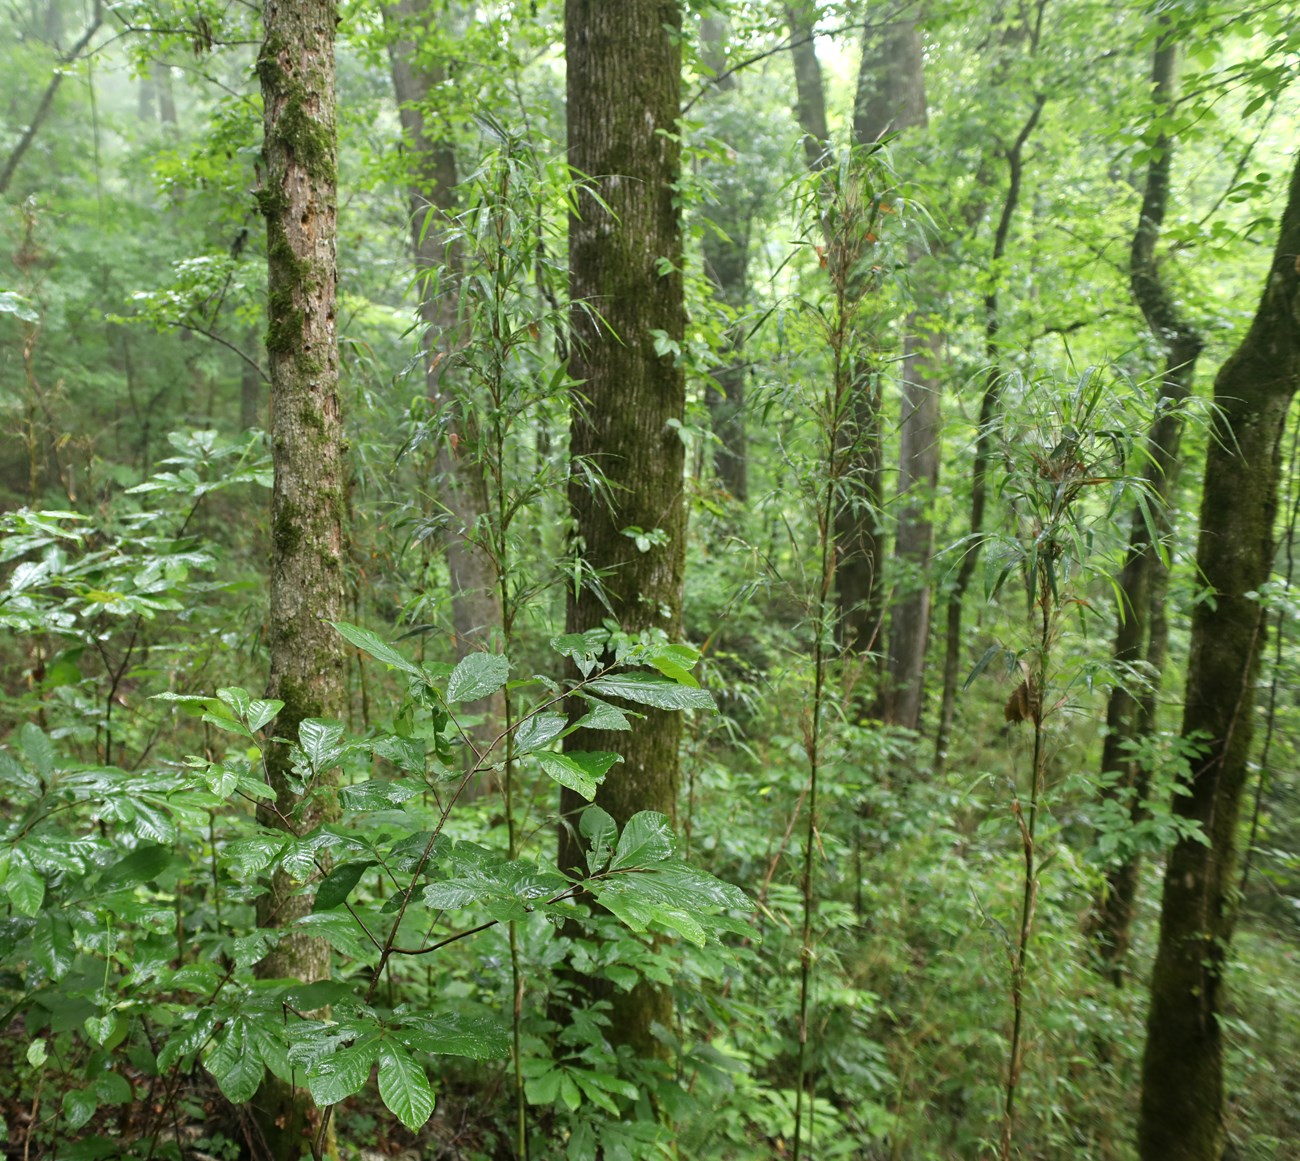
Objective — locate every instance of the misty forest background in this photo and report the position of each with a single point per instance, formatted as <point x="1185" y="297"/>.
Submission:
<point x="847" y="444"/>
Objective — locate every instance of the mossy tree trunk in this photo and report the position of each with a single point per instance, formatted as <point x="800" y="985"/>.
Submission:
<point x="298" y="200"/>
<point x="1140" y="629"/>
<point x="625" y="254"/>
<point x="1181" y="1114"/>
<point x="461" y="484"/>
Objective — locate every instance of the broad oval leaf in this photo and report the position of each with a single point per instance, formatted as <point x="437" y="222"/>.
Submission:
<point x="338" y="884"/>
<point x="477" y="676"/>
<point x="646" y="839"/>
<point x="337" y="1076"/>
<point x="404" y="1087"/>
<point x="581" y="771"/>
<point x="647" y="689"/>
<point x="455" y="1034"/>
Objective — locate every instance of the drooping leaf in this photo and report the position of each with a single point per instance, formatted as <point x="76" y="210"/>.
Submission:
<point x="651" y="690"/>
<point x="141" y="866"/>
<point x="379" y="794"/>
<point x="24" y="886"/>
<point x="337" y="885"/>
<point x="455" y="1034"/>
<point x="603" y="716"/>
<point x="336" y="1076"/>
<point x="600" y="831"/>
<point x="379" y="649"/>
<point x="581" y="771"/>
<point x="478" y="675"/>
<point x="403" y="1087"/>
<point x="236" y="1063"/>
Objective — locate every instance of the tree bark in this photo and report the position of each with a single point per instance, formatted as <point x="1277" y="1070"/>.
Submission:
<point x="462" y="485"/>
<point x="891" y="99"/>
<point x="1140" y="632"/>
<point x="1181" y="1112"/>
<point x="625" y="254"/>
<point x="298" y="200"/>
<point x="726" y="264"/>
<point x="810" y="92"/>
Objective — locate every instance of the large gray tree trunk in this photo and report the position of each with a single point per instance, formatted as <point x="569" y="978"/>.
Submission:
<point x="625" y="260"/>
<point x="1182" y="1116"/>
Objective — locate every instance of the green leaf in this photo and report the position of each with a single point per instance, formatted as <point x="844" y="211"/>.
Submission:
<point x="322" y="742"/>
<point x="600" y="831"/>
<point x="236" y="1064"/>
<point x="79" y="1105"/>
<point x="455" y="1034"/>
<point x="25" y="888"/>
<point x="647" y="689"/>
<point x="37" y="748"/>
<point x="539" y="731"/>
<point x="602" y="716"/>
<point x="404" y="1088"/>
<point x="141" y="866"/>
<point x="477" y="676"/>
<point x="405" y="753"/>
<point x="336" y="1076"/>
<point x="378" y="794"/>
<point x="337" y="885"/>
<point x="379" y="649"/>
<point x="647" y="838"/>
<point x="581" y="771"/>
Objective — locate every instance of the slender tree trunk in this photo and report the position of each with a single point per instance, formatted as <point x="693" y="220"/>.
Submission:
<point x="462" y="486"/>
<point x="891" y="99"/>
<point x="1181" y="1113"/>
<point x="726" y="264"/>
<point x="631" y="399"/>
<point x="984" y="439"/>
<point x="919" y="445"/>
<point x="298" y="200"/>
<point x="46" y="102"/>
<point x="1140" y="633"/>
<point x="810" y="92"/>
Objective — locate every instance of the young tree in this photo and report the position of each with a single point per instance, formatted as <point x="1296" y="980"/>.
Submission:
<point x="298" y="199"/>
<point x="1182" y="1116"/>
<point x="625" y="280"/>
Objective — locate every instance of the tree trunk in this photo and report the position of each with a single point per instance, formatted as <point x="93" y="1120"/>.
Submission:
<point x="891" y="99"/>
<point x="298" y="200"/>
<point x="631" y="399"/>
<point x="1139" y="634"/>
<point x="984" y="439"/>
<point x="1181" y="1114"/>
<point x="475" y="602"/>
<point x="46" y="103"/>
<point x="810" y="93"/>
<point x="726" y="264"/>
